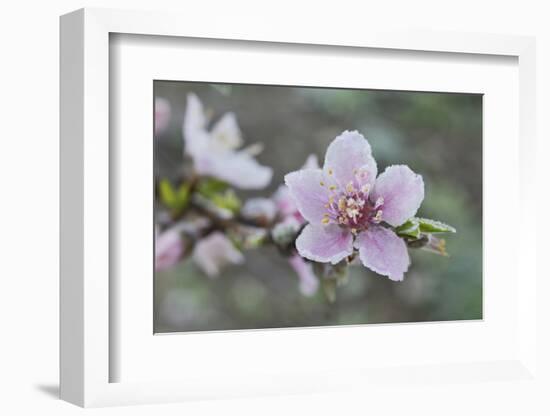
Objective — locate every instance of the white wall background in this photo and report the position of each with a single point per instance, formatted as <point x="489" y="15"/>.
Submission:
<point x="29" y="207"/>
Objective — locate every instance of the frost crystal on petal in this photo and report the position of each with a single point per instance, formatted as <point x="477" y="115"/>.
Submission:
<point x="402" y="191"/>
<point x="346" y="154"/>
<point x="325" y="244"/>
<point x="382" y="251"/>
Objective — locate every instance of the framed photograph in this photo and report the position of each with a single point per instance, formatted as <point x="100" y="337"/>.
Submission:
<point x="266" y="212"/>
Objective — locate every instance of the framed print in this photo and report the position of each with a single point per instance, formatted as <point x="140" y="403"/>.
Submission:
<point x="273" y="214"/>
<point x="232" y="248"/>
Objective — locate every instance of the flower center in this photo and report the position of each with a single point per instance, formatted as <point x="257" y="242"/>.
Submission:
<point x="351" y="207"/>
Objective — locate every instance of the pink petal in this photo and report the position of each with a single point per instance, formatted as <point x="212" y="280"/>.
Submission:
<point x="162" y="115"/>
<point x="382" y="251"/>
<point x="214" y="252"/>
<point x="324" y="243"/>
<point x="311" y="162"/>
<point x="285" y="202"/>
<point x="308" y="281"/>
<point x="348" y="153"/>
<point x="308" y="189"/>
<point x="402" y="191"/>
<point x="168" y="249"/>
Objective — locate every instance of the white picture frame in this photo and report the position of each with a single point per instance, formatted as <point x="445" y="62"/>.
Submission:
<point x="87" y="356"/>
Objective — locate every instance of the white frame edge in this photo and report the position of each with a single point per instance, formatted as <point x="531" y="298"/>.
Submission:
<point x="84" y="154"/>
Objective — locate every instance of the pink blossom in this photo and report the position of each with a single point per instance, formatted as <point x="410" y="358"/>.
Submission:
<point x="308" y="281"/>
<point x="291" y="222"/>
<point x="283" y="199"/>
<point x="348" y="206"/>
<point x="162" y="115"/>
<point x="168" y="249"/>
<point x="214" y="252"/>
<point x="215" y="151"/>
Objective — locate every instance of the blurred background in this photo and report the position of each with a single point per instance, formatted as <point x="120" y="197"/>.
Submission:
<point x="439" y="135"/>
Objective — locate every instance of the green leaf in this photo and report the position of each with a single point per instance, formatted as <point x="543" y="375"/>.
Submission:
<point x="415" y="227"/>
<point x="227" y="200"/>
<point x="182" y="196"/>
<point x="210" y="187"/>
<point x="410" y="229"/>
<point x="174" y="199"/>
<point x="432" y="226"/>
<point x="167" y="193"/>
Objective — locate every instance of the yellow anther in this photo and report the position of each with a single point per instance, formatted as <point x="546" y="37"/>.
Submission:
<point x="330" y="171"/>
<point x="322" y="183"/>
<point x="332" y="187"/>
<point x="341" y="204"/>
<point x="331" y="199"/>
<point x="350" y="188"/>
<point x="365" y="188"/>
<point x="354" y="230"/>
<point x="325" y="220"/>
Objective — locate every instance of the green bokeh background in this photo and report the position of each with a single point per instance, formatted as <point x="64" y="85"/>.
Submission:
<point x="439" y="135"/>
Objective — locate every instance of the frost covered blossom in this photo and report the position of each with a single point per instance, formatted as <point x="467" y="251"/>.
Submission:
<point x="285" y="202"/>
<point x="292" y="220"/>
<point x="215" y="152"/>
<point x="348" y="206"/>
<point x="214" y="252"/>
<point x="168" y="249"/>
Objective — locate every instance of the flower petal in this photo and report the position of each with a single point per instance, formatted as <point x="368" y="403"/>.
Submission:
<point x="215" y="251"/>
<point x="196" y="138"/>
<point x="226" y="133"/>
<point x="403" y="192"/>
<point x="311" y="162"/>
<point x="162" y="115"/>
<point x="347" y="153"/>
<point x="308" y="281"/>
<point x="168" y="249"/>
<point x="382" y="251"/>
<point x="285" y="203"/>
<point x="324" y="243"/>
<point x="236" y="168"/>
<point x="308" y="189"/>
